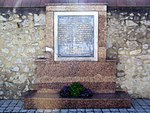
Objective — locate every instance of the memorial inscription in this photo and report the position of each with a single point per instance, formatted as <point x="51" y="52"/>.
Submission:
<point x="75" y="35"/>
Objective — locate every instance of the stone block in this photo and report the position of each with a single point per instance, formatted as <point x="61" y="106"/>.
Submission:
<point x="39" y="20"/>
<point x="76" y="7"/>
<point x="53" y="101"/>
<point x="99" y="76"/>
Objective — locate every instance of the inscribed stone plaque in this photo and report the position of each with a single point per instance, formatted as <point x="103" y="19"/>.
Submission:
<point x="76" y="35"/>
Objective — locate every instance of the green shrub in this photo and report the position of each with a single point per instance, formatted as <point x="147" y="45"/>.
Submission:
<point x="76" y="89"/>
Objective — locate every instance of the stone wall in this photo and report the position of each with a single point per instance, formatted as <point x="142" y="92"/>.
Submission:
<point x="22" y="33"/>
<point x="22" y="40"/>
<point x="128" y="41"/>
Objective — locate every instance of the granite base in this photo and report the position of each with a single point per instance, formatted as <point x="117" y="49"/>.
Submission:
<point x="35" y="100"/>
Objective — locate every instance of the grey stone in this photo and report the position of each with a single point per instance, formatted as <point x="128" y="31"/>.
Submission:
<point x="120" y="74"/>
<point x="148" y="66"/>
<point x="18" y="108"/>
<point x="15" y="110"/>
<point x="19" y="104"/>
<point x="1" y="102"/>
<point x="24" y="17"/>
<point x="72" y="110"/>
<point x="89" y="110"/>
<point x="141" y="29"/>
<point x="143" y="56"/>
<point x="145" y="46"/>
<point x="32" y="50"/>
<point x="18" y="61"/>
<point x="56" y="111"/>
<point x="80" y="110"/>
<point x="139" y="62"/>
<point x="131" y="23"/>
<point x="64" y="111"/>
<point x="147" y="110"/>
<point x="132" y="44"/>
<point x="97" y="110"/>
<point x="147" y="101"/>
<point x="26" y="69"/>
<point x="9" y="108"/>
<point x="144" y="52"/>
<point x="47" y="110"/>
<point x="106" y="110"/>
<point x="146" y="22"/>
<point x="114" y="110"/>
<point x="123" y="110"/>
<point x="31" y="111"/>
<point x="25" y="23"/>
<point x="2" y="18"/>
<point x="1" y="92"/>
<point x="5" y="50"/>
<point x="146" y="107"/>
<point x="23" y="111"/>
<point x="2" y="110"/>
<point x="12" y="105"/>
<point x="39" y="19"/>
<point x="1" y="63"/>
<point x="15" y="69"/>
<point x="135" y="52"/>
<point x="148" y="50"/>
<point x="15" y="101"/>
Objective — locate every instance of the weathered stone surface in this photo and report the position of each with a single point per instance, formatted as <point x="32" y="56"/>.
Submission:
<point x="20" y="44"/>
<point x="100" y="76"/>
<point x="35" y="100"/>
<point x="15" y="69"/>
<point x="26" y="69"/>
<point x="5" y="50"/>
<point x="131" y="23"/>
<point x="145" y="46"/>
<point x="22" y="39"/>
<point x="39" y="19"/>
<point x="134" y="54"/>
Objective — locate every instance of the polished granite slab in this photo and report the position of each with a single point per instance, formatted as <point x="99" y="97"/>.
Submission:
<point x="35" y="100"/>
<point x="98" y="76"/>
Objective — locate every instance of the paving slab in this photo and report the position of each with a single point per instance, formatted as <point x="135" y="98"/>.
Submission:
<point x="23" y="111"/>
<point x="31" y="111"/>
<point x="89" y="110"/>
<point x="138" y="106"/>
<point x="114" y="110"/>
<point x="55" y="111"/>
<point x="97" y="110"/>
<point x="64" y="111"/>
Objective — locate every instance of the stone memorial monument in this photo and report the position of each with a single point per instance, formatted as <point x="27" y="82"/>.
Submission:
<point x="76" y="34"/>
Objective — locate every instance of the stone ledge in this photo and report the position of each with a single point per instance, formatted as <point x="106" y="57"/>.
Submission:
<point x="76" y="7"/>
<point x="34" y="100"/>
<point x="97" y="87"/>
<point x="48" y="60"/>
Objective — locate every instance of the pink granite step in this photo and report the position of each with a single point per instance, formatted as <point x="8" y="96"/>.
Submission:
<point x="97" y="87"/>
<point x="34" y="100"/>
<point x="99" y="76"/>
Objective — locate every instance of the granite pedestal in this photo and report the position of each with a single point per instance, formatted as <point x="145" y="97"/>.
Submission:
<point x="98" y="76"/>
<point x="77" y="53"/>
<point x="54" y="101"/>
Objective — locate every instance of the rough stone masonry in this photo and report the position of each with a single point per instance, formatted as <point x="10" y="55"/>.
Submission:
<point x="22" y="40"/>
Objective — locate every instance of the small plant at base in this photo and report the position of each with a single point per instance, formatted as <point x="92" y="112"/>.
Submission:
<point x="76" y="89"/>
